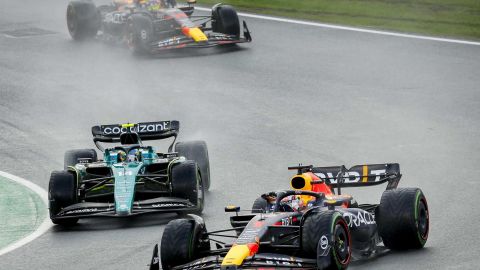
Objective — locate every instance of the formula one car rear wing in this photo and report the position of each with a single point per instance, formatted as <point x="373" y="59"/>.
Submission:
<point x="356" y="176"/>
<point x="146" y="131"/>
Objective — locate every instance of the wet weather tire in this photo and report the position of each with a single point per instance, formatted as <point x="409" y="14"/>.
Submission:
<point x="326" y="236"/>
<point x="61" y="193"/>
<point x="403" y="218"/>
<point x="140" y="34"/>
<point x="83" y="19"/>
<point x="71" y="156"/>
<point x="187" y="183"/>
<point x="260" y="205"/>
<point x="181" y="242"/>
<point x="198" y="152"/>
<point x="225" y="20"/>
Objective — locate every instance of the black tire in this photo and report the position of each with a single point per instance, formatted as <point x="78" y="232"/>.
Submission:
<point x="260" y="205"/>
<point x="187" y="183"/>
<point x="181" y="242"/>
<point x="140" y="34"/>
<point x="326" y="236"/>
<point x="83" y="19"/>
<point x="198" y="152"/>
<point x="71" y="156"/>
<point x="225" y="20"/>
<point x="403" y="218"/>
<point x="62" y="191"/>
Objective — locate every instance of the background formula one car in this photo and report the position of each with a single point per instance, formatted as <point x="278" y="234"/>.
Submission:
<point x="148" y="26"/>
<point x="327" y="232"/>
<point x="132" y="178"/>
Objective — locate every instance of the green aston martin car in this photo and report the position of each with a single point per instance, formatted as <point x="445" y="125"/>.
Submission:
<point x="132" y="178"/>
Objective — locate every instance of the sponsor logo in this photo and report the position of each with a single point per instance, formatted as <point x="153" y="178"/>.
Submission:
<point x="78" y="211"/>
<point x="115" y="17"/>
<point x="220" y="37"/>
<point x="143" y="34"/>
<point x="351" y="177"/>
<point x="120" y="173"/>
<point x="283" y="261"/>
<point x="169" y="42"/>
<point x="170" y="155"/>
<point x="196" y="265"/>
<point x="356" y="220"/>
<point x="140" y="128"/>
<point x="323" y="242"/>
<point x="159" y="205"/>
<point x="84" y="160"/>
<point x="288" y="221"/>
<point x="247" y="235"/>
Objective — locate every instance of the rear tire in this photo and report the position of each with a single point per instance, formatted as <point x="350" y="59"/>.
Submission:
<point x="181" y="243"/>
<point x="140" y="34"/>
<point x="403" y="219"/>
<point x="187" y="183"/>
<point x="198" y="152"/>
<point x="62" y="193"/>
<point x="83" y="19"/>
<point x="225" y="20"/>
<point x="71" y="156"/>
<point x="326" y="236"/>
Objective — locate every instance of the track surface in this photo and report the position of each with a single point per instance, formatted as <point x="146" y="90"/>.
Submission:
<point x="297" y="94"/>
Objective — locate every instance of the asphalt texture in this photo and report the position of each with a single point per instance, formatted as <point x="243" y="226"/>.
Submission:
<point x="297" y="94"/>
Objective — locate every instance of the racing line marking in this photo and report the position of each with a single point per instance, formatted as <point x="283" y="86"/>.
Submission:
<point x="339" y="27"/>
<point x="46" y="224"/>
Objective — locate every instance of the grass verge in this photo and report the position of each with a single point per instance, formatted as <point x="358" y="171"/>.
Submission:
<point x="446" y="18"/>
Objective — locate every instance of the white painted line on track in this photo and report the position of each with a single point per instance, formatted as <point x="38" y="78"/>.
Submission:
<point x="362" y="30"/>
<point x="46" y="224"/>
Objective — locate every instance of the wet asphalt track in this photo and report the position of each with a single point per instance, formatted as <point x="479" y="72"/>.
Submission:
<point x="297" y="94"/>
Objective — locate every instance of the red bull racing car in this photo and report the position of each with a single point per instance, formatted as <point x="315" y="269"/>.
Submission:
<point x="308" y="227"/>
<point x="149" y="26"/>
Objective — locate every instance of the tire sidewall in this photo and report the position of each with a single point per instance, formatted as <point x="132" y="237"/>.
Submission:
<point x="83" y="19"/>
<point x="139" y="33"/>
<point x="174" y="240"/>
<point x="225" y="20"/>
<point x="260" y="203"/>
<point x="318" y="241"/>
<point x="62" y="193"/>
<point x="187" y="183"/>
<point x="198" y="152"/>
<point x="398" y="218"/>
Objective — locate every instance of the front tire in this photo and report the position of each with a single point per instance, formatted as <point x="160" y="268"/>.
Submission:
<point x="187" y="183"/>
<point x="140" y="34"/>
<point x="225" y="20"/>
<point x="62" y="193"/>
<point x="181" y="242"/>
<point x="198" y="152"/>
<point x="83" y="19"/>
<point x="260" y="205"/>
<point x="403" y="219"/>
<point x="326" y="236"/>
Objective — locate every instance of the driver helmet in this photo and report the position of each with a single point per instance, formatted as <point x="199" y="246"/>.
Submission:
<point x="121" y="156"/>
<point x="295" y="202"/>
<point x="133" y="155"/>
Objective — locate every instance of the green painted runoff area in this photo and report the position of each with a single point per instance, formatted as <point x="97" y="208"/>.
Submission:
<point x="446" y="18"/>
<point x="21" y="211"/>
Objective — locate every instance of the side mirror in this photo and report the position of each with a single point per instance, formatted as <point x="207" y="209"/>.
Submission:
<point x="232" y="208"/>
